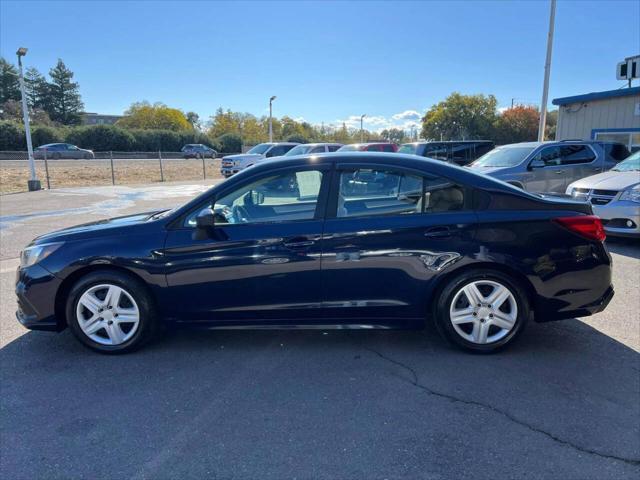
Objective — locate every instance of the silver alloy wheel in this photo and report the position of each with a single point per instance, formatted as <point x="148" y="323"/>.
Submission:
<point x="483" y="311"/>
<point x="108" y="314"/>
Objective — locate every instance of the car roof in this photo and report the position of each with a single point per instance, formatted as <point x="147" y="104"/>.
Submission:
<point x="447" y="142"/>
<point x="317" y="144"/>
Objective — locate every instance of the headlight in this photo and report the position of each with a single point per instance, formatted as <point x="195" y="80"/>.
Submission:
<point x="631" y="194"/>
<point x="36" y="253"/>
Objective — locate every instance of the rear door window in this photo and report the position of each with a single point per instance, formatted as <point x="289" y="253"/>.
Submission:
<point x="388" y="148"/>
<point x="576" y="154"/>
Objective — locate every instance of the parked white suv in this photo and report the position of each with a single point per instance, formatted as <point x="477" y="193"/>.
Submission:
<point x="234" y="163"/>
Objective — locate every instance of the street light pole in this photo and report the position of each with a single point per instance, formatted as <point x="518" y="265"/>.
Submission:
<point x="361" y="129"/>
<point x="271" y="118"/>
<point x="547" y="71"/>
<point x="33" y="183"/>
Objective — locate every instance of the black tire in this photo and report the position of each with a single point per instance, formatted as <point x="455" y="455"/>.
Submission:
<point x="448" y="293"/>
<point x="87" y="156"/>
<point x="148" y="326"/>
<point x="56" y="156"/>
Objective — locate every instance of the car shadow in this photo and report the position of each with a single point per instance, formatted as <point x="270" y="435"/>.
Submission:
<point x="203" y="401"/>
<point x="629" y="247"/>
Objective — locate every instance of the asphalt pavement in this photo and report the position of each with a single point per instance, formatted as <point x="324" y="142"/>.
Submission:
<point x="561" y="403"/>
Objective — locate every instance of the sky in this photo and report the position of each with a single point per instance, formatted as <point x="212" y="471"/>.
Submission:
<point x="327" y="62"/>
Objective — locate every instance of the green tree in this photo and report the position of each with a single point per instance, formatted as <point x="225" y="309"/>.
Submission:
<point x="12" y="110"/>
<point x="9" y="82"/>
<point x="66" y="103"/>
<point x="154" y="117"/>
<point x="552" y="124"/>
<point x="194" y="119"/>
<point x="38" y="90"/>
<point x="229" y="143"/>
<point x="460" y="117"/>
<point x="394" y="135"/>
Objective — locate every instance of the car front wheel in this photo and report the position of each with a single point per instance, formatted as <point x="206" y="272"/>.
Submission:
<point x="482" y="311"/>
<point x="111" y="312"/>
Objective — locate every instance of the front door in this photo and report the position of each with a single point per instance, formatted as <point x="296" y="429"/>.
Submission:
<point x="261" y="261"/>
<point x="552" y="177"/>
<point x="388" y="234"/>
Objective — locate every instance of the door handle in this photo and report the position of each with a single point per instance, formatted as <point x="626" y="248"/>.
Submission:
<point x="438" y="232"/>
<point x="299" y="242"/>
<point x="558" y="172"/>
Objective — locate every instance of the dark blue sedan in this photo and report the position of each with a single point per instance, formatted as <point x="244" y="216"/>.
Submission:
<point x="345" y="240"/>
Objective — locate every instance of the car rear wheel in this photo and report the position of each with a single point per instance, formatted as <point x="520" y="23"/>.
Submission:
<point x="111" y="312"/>
<point x="482" y="311"/>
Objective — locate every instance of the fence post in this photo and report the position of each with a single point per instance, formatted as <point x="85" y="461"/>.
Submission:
<point x="113" y="175"/>
<point x="160" y="160"/>
<point x="46" y="169"/>
<point x="204" y="171"/>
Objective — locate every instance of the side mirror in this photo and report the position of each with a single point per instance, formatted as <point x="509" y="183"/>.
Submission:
<point x="537" y="163"/>
<point x="205" y="219"/>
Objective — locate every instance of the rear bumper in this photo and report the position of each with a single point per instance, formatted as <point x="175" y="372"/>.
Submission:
<point x="36" y="291"/>
<point x="585" y="310"/>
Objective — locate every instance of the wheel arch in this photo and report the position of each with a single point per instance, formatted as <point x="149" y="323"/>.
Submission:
<point x="68" y="283"/>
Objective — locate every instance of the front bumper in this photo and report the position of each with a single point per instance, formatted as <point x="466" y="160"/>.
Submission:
<point x="616" y="215"/>
<point x="36" y="290"/>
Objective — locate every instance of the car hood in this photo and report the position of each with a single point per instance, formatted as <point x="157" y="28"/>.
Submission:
<point x="244" y="156"/>
<point x="608" y="181"/>
<point x="100" y="227"/>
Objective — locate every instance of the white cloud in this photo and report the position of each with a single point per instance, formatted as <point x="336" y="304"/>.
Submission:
<point x="407" y="115"/>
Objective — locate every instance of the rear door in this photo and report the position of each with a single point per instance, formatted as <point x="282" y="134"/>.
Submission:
<point x="389" y="232"/>
<point x="580" y="161"/>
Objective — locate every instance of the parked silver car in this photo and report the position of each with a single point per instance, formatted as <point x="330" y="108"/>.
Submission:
<point x="62" y="150"/>
<point x="547" y="167"/>
<point x="309" y="148"/>
<point x="234" y="163"/>
<point x="614" y="196"/>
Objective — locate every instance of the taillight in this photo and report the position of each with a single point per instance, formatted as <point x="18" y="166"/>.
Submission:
<point x="588" y="226"/>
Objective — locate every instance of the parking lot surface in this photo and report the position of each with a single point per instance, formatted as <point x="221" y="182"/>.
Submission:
<point x="562" y="402"/>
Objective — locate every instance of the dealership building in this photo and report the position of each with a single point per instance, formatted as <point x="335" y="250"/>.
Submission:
<point x="613" y="115"/>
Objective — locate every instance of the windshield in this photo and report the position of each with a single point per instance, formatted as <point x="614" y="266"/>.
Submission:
<point x="503" y="157"/>
<point x="260" y="149"/>
<point x="408" y="148"/>
<point x="299" y="150"/>
<point x="631" y="164"/>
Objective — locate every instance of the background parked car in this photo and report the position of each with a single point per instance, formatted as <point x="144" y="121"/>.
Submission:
<point x="544" y="166"/>
<point x="309" y="148"/>
<point x="614" y="196"/>
<point x="370" y="147"/>
<point x="234" y="163"/>
<point x="458" y="152"/>
<point x="193" y="150"/>
<point x="62" y="150"/>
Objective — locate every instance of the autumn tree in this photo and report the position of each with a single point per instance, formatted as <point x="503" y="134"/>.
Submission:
<point x="517" y="124"/>
<point x="154" y="117"/>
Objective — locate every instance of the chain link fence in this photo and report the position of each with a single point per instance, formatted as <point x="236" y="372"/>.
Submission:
<point x="107" y="168"/>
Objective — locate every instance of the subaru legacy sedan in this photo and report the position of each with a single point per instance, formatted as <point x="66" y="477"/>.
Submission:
<point x="338" y="240"/>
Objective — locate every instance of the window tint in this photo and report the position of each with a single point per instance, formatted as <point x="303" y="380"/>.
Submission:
<point x="462" y="153"/>
<point x="388" y="148"/>
<point x="284" y="197"/>
<point x="279" y="150"/>
<point x="438" y="151"/>
<point x="372" y="148"/>
<point x="333" y="148"/>
<point x="318" y="150"/>
<point x="615" y="152"/>
<point x="549" y="155"/>
<point x="369" y="192"/>
<point x="574" y="154"/>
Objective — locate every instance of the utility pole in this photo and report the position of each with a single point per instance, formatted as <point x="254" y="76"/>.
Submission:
<point x="361" y="129"/>
<point x="547" y="71"/>
<point x="33" y="183"/>
<point x="271" y="118"/>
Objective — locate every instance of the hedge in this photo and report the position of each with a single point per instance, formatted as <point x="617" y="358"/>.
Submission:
<point x="103" y="138"/>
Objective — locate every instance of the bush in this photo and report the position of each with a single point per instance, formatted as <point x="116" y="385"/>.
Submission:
<point x="229" y="143"/>
<point x="41" y="135"/>
<point x="101" y="138"/>
<point x="297" y="139"/>
<point x="12" y="136"/>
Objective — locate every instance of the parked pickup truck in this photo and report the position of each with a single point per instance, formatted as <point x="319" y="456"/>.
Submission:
<point x="234" y="163"/>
